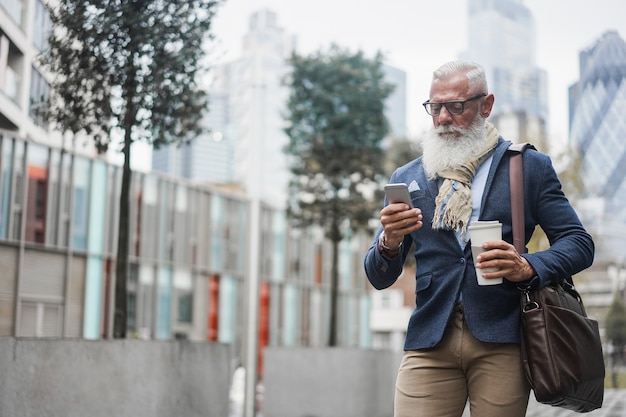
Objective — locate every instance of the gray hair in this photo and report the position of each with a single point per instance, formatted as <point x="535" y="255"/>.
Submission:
<point x="474" y="72"/>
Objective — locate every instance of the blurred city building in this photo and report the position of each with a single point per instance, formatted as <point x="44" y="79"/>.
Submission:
<point x="244" y="149"/>
<point x="597" y="103"/>
<point x="248" y="102"/>
<point x="395" y="105"/>
<point x="246" y="139"/>
<point x="501" y="37"/>
<point x="24" y="27"/>
<point x="189" y="241"/>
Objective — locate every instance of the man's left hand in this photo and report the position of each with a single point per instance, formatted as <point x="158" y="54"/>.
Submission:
<point x="502" y="255"/>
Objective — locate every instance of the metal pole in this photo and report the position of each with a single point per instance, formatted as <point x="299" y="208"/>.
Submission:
<point x="252" y="322"/>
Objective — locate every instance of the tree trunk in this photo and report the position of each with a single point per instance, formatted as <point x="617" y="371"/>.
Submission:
<point x="121" y="266"/>
<point x="120" y="323"/>
<point x="334" y="296"/>
<point x="335" y="238"/>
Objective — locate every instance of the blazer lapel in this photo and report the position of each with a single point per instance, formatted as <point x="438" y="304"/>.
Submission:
<point x="503" y="145"/>
<point x="431" y="185"/>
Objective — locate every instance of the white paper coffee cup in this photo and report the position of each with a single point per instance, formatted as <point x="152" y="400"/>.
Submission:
<point x="480" y="232"/>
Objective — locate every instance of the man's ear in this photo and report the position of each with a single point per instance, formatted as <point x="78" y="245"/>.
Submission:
<point x="487" y="105"/>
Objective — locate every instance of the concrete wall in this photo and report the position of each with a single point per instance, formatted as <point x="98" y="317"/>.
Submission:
<point x="329" y="382"/>
<point x="79" y="378"/>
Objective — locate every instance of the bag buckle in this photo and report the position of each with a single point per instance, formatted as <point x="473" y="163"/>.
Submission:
<point x="529" y="304"/>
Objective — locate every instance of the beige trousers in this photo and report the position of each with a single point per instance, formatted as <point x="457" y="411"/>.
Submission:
<point x="438" y="382"/>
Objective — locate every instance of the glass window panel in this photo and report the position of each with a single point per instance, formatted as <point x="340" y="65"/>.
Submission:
<point x="65" y="199"/>
<point x="36" y="208"/>
<point x="228" y="309"/>
<point x="80" y="213"/>
<point x="193" y="226"/>
<point x="278" y="258"/>
<point x="97" y="206"/>
<point x="93" y="308"/>
<point x="6" y="175"/>
<point x="181" y="220"/>
<point x="54" y="199"/>
<point x="38" y="93"/>
<point x="114" y="178"/>
<point x="149" y="218"/>
<point x="18" y="191"/>
<point x="14" y="9"/>
<point x="42" y="26"/>
<point x="233" y="235"/>
<point x="131" y="312"/>
<point x="164" y="222"/>
<point x="184" y="298"/>
<point x="181" y="199"/>
<point x="145" y="308"/>
<point x="185" y="307"/>
<point x="164" y="307"/>
<point x="135" y="214"/>
<point x="217" y="226"/>
<point x="291" y="316"/>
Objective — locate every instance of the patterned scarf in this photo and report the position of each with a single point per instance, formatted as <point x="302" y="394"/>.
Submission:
<point x="453" y="207"/>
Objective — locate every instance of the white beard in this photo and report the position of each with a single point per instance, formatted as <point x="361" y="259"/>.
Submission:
<point x="443" y="150"/>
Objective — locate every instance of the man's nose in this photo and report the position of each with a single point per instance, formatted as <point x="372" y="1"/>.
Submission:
<point x="444" y="118"/>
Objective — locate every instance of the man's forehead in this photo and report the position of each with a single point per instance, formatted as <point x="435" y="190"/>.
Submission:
<point x="451" y="87"/>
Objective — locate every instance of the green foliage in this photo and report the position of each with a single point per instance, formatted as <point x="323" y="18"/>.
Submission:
<point x="336" y="124"/>
<point x="127" y="65"/>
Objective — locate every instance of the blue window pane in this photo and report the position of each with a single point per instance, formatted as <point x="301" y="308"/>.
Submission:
<point x="7" y="176"/>
<point x="164" y="307"/>
<point x="81" y="203"/>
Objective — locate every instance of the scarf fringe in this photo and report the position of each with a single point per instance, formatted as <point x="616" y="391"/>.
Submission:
<point x="453" y="206"/>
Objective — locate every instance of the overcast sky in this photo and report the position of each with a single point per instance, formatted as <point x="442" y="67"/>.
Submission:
<point x="417" y="36"/>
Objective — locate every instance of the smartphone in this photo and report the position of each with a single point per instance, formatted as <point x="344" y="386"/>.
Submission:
<point x="398" y="193"/>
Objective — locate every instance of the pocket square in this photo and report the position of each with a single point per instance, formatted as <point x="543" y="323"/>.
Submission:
<point x="414" y="186"/>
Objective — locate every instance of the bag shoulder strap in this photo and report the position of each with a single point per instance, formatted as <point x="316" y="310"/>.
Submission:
<point x="516" y="178"/>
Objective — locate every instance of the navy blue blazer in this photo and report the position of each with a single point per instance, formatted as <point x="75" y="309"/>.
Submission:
<point x="444" y="269"/>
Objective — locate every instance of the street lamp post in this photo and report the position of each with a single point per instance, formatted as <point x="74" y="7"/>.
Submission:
<point x="252" y="322"/>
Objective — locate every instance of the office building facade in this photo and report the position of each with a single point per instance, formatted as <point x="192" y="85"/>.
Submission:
<point x="188" y="260"/>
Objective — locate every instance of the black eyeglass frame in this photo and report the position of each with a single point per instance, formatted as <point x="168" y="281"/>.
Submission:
<point x="428" y="103"/>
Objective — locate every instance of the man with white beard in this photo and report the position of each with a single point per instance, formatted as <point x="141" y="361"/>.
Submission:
<point x="462" y="340"/>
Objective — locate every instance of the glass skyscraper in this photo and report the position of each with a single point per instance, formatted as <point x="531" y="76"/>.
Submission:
<point x="501" y="37"/>
<point x="597" y="104"/>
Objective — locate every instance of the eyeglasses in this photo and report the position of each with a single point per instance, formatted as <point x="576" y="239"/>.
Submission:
<point x="453" y="107"/>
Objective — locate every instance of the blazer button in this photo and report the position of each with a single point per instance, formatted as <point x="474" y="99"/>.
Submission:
<point x="462" y="261"/>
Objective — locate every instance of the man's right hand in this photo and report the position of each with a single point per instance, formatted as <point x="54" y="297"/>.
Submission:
<point x="399" y="220"/>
